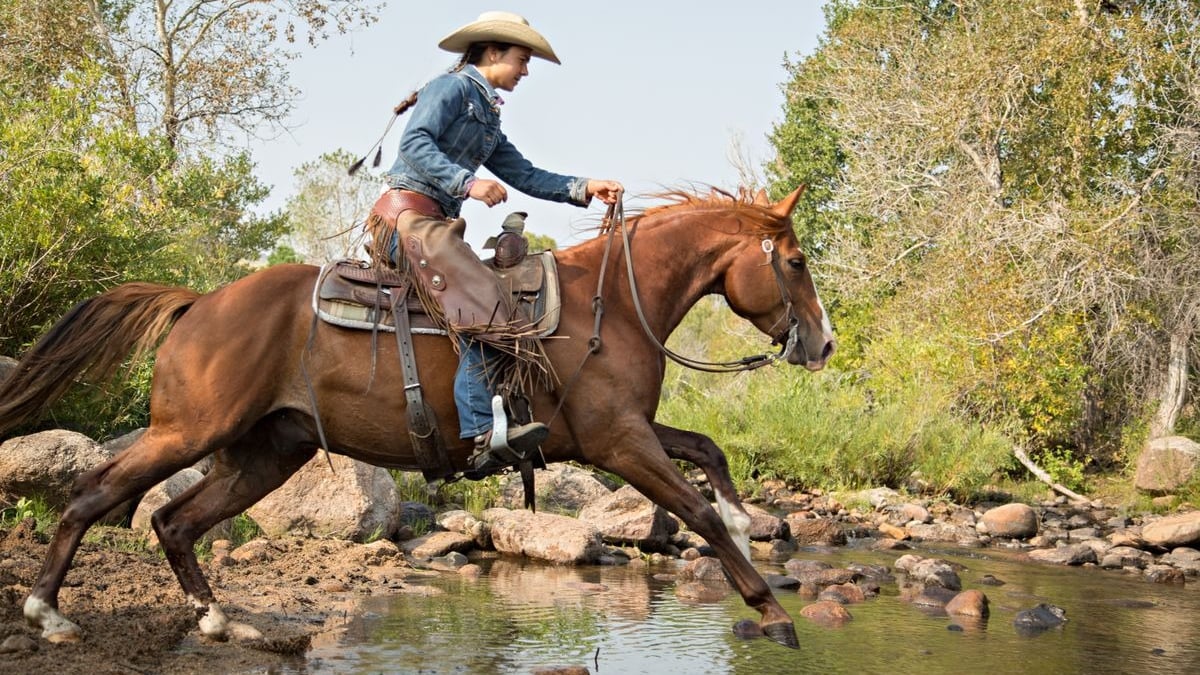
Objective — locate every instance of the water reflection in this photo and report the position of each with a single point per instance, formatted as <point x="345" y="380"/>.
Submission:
<point x="521" y="615"/>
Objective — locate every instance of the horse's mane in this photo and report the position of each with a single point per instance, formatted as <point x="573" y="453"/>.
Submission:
<point x="756" y="214"/>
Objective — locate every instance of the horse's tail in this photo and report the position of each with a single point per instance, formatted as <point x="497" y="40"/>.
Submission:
<point x="93" y="339"/>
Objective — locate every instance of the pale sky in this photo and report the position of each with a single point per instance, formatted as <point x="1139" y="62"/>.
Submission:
<point x="655" y="94"/>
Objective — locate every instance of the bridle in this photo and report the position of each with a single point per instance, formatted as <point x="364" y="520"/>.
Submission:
<point x="614" y="220"/>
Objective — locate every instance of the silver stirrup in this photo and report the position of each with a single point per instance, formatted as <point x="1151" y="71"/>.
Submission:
<point x="500" y="429"/>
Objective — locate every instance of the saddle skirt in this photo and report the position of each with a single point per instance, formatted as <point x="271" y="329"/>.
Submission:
<point x="355" y="294"/>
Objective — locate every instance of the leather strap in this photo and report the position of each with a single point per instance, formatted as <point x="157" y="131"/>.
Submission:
<point x="422" y="423"/>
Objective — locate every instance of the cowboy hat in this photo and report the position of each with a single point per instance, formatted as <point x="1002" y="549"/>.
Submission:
<point x="503" y="27"/>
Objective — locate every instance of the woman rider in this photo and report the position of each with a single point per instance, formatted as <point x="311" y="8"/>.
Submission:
<point x="454" y="129"/>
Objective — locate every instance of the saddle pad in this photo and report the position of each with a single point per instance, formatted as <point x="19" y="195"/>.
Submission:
<point x="363" y="305"/>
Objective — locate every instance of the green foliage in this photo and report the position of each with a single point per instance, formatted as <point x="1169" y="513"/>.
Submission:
<point x="45" y="518"/>
<point x="474" y="496"/>
<point x="1063" y="467"/>
<point x="540" y="242"/>
<point x="283" y="254"/>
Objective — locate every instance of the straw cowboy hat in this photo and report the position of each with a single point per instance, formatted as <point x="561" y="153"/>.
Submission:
<point x="499" y="27"/>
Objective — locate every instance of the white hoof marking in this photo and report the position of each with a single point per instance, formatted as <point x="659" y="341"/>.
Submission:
<point x="737" y="522"/>
<point x="55" y="627"/>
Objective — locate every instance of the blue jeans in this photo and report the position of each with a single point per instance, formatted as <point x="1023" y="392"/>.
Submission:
<point x="472" y="394"/>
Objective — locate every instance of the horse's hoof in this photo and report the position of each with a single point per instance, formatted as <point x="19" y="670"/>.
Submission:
<point x="783" y="633"/>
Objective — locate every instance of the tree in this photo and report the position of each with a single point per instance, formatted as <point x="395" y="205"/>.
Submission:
<point x="199" y="70"/>
<point x="329" y="207"/>
<point x="1010" y="197"/>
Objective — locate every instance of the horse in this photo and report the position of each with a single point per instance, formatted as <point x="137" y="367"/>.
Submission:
<point x="236" y="372"/>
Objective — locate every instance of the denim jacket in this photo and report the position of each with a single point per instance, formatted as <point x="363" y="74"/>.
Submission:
<point x="454" y="129"/>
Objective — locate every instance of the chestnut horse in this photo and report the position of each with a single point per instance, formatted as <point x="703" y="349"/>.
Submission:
<point x="231" y="380"/>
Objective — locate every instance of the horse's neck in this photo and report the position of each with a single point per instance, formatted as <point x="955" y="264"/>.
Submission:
<point x="676" y="263"/>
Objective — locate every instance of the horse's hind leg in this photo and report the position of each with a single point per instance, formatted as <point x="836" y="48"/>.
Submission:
<point x="149" y="460"/>
<point x="253" y="466"/>
<point x="701" y="451"/>
<point x="638" y="457"/>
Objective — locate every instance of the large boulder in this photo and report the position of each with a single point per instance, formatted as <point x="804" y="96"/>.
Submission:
<point x="1178" y="530"/>
<point x="1166" y="464"/>
<point x="1017" y="521"/>
<point x="765" y="526"/>
<point x="560" y="488"/>
<point x="808" y="531"/>
<point x="354" y="500"/>
<point x="544" y="536"/>
<point x="628" y="517"/>
<point x="47" y="463"/>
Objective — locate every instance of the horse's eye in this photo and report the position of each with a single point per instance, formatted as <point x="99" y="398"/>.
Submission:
<point x="796" y="264"/>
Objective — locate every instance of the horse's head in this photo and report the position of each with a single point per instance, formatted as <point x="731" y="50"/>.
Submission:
<point x="768" y="282"/>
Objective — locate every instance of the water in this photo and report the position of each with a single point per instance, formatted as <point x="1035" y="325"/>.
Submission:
<point x="621" y="620"/>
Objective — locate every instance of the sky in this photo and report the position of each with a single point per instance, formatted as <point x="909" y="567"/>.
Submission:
<point x="657" y="95"/>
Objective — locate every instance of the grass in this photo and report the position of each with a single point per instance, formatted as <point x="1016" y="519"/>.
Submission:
<point x="45" y="517"/>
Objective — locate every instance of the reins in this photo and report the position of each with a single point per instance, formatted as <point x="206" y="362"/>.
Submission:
<point x="614" y="219"/>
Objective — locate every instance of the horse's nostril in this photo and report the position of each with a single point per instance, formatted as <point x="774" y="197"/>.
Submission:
<point x="827" y="352"/>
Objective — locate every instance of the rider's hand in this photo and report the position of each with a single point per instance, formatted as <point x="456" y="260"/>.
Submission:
<point x="487" y="191"/>
<point x="607" y="191"/>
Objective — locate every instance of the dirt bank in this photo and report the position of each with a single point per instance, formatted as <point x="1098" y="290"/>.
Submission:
<point x="135" y="619"/>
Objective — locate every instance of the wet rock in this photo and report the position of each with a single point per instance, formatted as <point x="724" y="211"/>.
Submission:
<point x="628" y="517"/>
<point x="561" y="670"/>
<point x="809" y="531"/>
<point x="1165" y="574"/>
<point x="890" y="545"/>
<point x="1015" y="521"/>
<point x="929" y="572"/>
<point x="437" y="544"/>
<point x="826" y="613"/>
<point x="989" y="580"/>
<point x="1125" y="556"/>
<point x="1171" y="531"/>
<point x="1040" y="618"/>
<point x="704" y="570"/>
<point x="822" y="578"/>
<point x="1070" y="554"/>
<point x="1184" y="558"/>
<point x="470" y="571"/>
<point x="844" y="594"/>
<point x="782" y="582"/>
<point x="903" y="514"/>
<point x="464" y="522"/>
<point x="451" y="562"/>
<point x="927" y="596"/>
<point x="878" y="498"/>
<point x="696" y="591"/>
<point x="354" y="501"/>
<point x="940" y="532"/>
<point x="968" y="603"/>
<point x="765" y="526"/>
<point x="544" y="536"/>
<point x="892" y="531"/>
<point x="1167" y="464"/>
<point x="878" y="573"/>
<point x="1131" y="537"/>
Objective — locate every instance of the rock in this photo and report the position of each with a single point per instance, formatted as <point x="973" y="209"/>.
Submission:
<point x="559" y="488"/>
<point x="1015" y="521"/>
<point x="560" y="670"/>
<point x="696" y="591"/>
<point x="1131" y="537"/>
<point x="115" y="446"/>
<point x="628" y="517"/>
<point x="968" y="603"/>
<point x="464" y="522"/>
<point x="810" y="531"/>
<point x="15" y="644"/>
<point x="1184" y="558"/>
<point x="843" y="594"/>
<point x="1165" y="574"/>
<point x="826" y="613"/>
<point x="417" y="515"/>
<point x="7" y="366"/>
<point x="892" y="531"/>
<point x="164" y="492"/>
<point x="903" y="514"/>
<point x="1167" y="464"/>
<point x="255" y="550"/>
<point x="928" y="596"/>
<point x="782" y="582"/>
<point x="989" y="580"/>
<point x="437" y="544"/>
<point x="544" y="536"/>
<point x="1040" y="618"/>
<point x="878" y="498"/>
<point x="47" y="463"/>
<point x="451" y="562"/>
<point x="704" y="570"/>
<point x="765" y="526"/>
<point x="1179" y="530"/>
<point x="1125" y="556"/>
<point x="929" y="572"/>
<point x="1070" y="554"/>
<point x="355" y="501"/>
<point x="940" y="532"/>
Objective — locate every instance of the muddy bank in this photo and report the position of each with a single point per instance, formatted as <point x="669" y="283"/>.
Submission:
<point x="135" y="619"/>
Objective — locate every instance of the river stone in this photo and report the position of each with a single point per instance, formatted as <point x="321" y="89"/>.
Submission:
<point x="765" y="526"/>
<point x="908" y="512"/>
<point x="810" y="531"/>
<point x="1184" y="558"/>
<point x="1179" y="530"/>
<point x="353" y="500"/>
<point x="826" y="613"/>
<point x="1039" y="618"/>
<point x="941" y="531"/>
<point x="1070" y="554"/>
<point x="437" y="544"/>
<point x="466" y="523"/>
<point x="1125" y="556"/>
<point x="1167" y="464"/>
<point x="704" y="570"/>
<point x="1165" y="574"/>
<point x="1015" y="521"/>
<point x="544" y="536"/>
<point x="968" y="603"/>
<point x="46" y="464"/>
<point x="628" y="517"/>
<point x="843" y="594"/>
<point x="929" y="571"/>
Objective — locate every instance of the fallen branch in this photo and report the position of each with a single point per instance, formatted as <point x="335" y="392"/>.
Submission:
<point x="1045" y="477"/>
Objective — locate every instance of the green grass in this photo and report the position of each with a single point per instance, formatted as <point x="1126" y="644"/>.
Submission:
<point x="45" y="518"/>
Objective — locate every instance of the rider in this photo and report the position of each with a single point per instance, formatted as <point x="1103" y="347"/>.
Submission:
<point x="453" y="130"/>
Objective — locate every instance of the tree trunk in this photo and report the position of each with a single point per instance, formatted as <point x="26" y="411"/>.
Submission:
<point x="1175" y="383"/>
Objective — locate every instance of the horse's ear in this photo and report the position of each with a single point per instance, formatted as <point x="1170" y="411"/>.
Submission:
<point x="761" y="198"/>
<point x="784" y="208"/>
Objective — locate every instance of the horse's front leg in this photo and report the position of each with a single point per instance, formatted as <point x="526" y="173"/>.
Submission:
<point x="637" y="456"/>
<point x="702" y="452"/>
